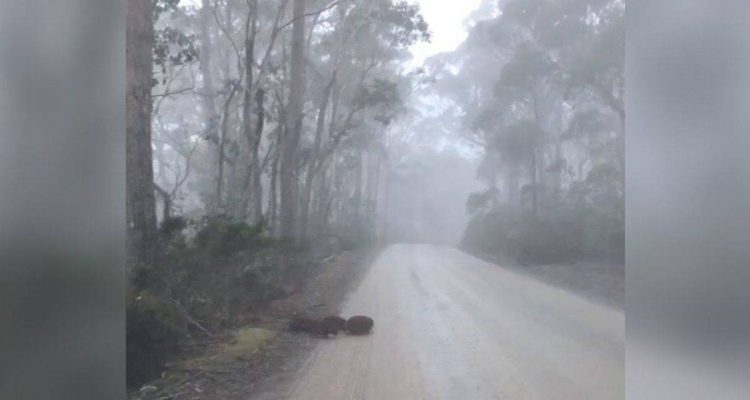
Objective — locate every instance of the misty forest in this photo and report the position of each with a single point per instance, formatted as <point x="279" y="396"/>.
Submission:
<point x="293" y="157"/>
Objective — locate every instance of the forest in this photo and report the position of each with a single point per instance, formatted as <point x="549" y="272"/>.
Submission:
<point x="266" y="135"/>
<point x="254" y="127"/>
<point x="540" y="89"/>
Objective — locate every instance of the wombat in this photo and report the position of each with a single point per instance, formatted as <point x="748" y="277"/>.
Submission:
<point x="332" y="324"/>
<point x="359" y="325"/>
<point x="302" y="324"/>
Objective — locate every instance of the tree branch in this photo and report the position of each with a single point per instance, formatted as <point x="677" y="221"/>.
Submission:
<point x="310" y="14"/>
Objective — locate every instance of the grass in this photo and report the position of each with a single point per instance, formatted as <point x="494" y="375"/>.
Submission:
<point x="245" y="342"/>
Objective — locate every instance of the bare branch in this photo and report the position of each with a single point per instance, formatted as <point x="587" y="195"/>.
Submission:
<point x="310" y="14"/>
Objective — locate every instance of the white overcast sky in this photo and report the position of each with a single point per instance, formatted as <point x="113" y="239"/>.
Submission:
<point x="446" y="20"/>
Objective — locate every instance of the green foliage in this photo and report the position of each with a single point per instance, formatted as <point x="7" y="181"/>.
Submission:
<point x="526" y="238"/>
<point x="215" y="267"/>
<point x="153" y="333"/>
<point x="213" y="270"/>
<point x="407" y="21"/>
<point x="552" y="126"/>
<point x="378" y="92"/>
<point x="586" y="223"/>
<point x="220" y="236"/>
<point x="564" y="235"/>
<point x="173" y="47"/>
<point x="172" y="225"/>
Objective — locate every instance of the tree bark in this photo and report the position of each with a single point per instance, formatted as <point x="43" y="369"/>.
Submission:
<point x="358" y="170"/>
<point x="257" y="167"/>
<point x="315" y="162"/>
<point x="208" y="94"/>
<point x="512" y="184"/>
<point x="222" y="143"/>
<point x="273" y="189"/>
<point x="534" y="183"/>
<point x="375" y="194"/>
<point x="140" y="199"/>
<point x="247" y="104"/>
<point x="167" y="202"/>
<point x="288" y="183"/>
<point x="621" y="144"/>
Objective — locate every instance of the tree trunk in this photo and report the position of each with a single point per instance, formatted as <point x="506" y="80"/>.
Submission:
<point x="294" y="118"/>
<point x="222" y="143"/>
<point x="208" y="94"/>
<point x="558" y="172"/>
<point x="621" y="144"/>
<point x="247" y="104"/>
<point x="385" y="230"/>
<point x="257" y="168"/>
<point x="315" y="162"/>
<point x="140" y="199"/>
<point x="272" y="189"/>
<point x="368" y="175"/>
<point x="358" y="185"/>
<point x="325" y="184"/>
<point x="376" y="190"/>
<point x="534" y="183"/>
<point x="167" y="202"/>
<point x="536" y="163"/>
<point x="319" y="198"/>
<point x="512" y="185"/>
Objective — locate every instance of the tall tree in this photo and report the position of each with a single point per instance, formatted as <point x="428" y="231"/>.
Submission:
<point x="252" y="138"/>
<point x="287" y="179"/>
<point x="210" y="116"/>
<point x="140" y="199"/>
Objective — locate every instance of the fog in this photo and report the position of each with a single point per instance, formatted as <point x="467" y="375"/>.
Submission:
<point x="457" y="170"/>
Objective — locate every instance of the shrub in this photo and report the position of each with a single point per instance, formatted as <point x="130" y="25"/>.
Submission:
<point x="153" y="332"/>
<point x="562" y="235"/>
<point x="172" y="226"/>
<point x="221" y="236"/>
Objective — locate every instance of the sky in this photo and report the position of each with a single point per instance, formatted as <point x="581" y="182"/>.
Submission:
<point x="446" y="21"/>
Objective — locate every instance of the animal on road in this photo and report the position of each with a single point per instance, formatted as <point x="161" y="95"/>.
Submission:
<point x="302" y="324"/>
<point x="359" y="325"/>
<point x="330" y="325"/>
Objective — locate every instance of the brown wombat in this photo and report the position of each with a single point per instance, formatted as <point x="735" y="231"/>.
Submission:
<point x="302" y="324"/>
<point x="333" y="324"/>
<point x="330" y="325"/>
<point x="359" y="325"/>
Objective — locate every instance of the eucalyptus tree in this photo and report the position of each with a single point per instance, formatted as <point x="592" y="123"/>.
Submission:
<point x="140" y="206"/>
<point x="539" y="86"/>
<point x="353" y="82"/>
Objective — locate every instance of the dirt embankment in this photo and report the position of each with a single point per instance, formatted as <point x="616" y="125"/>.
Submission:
<point x="241" y="363"/>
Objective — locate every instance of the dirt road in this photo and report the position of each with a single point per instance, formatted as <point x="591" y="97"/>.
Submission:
<point x="450" y="326"/>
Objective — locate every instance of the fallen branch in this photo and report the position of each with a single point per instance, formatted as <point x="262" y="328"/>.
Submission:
<point x="191" y="319"/>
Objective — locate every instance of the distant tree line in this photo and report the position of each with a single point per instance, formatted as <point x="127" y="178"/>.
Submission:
<point x="540" y="88"/>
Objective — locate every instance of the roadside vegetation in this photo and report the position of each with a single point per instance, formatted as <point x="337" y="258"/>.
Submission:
<point x="256" y="147"/>
<point x="537" y="89"/>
